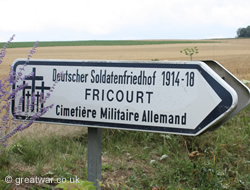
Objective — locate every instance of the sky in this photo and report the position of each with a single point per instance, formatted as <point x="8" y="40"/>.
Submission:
<point x="70" y="20"/>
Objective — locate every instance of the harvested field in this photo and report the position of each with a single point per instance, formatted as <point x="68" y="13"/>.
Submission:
<point x="234" y="54"/>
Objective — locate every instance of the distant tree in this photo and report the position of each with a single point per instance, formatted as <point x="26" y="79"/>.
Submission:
<point x="243" y="32"/>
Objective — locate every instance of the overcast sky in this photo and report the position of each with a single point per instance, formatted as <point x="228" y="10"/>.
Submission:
<point x="66" y="20"/>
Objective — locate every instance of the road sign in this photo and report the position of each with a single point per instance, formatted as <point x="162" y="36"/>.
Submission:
<point x="183" y="97"/>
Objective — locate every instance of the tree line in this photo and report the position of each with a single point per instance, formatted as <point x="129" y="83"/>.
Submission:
<point x="243" y="32"/>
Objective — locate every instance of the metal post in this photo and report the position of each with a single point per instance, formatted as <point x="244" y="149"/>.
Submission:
<point x="94" y="155"/>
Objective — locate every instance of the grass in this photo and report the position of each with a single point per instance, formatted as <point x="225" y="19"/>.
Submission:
<point x="139" y="160"/>
<point x="104" y="43"/>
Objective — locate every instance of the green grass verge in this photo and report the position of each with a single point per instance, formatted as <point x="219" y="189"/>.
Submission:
<point x="139" y="160"/>
<point x="104" y="43"/>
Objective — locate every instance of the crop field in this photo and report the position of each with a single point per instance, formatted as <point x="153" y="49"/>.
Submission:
<point x="135" y="160"/>
<point x="234" y="54"/>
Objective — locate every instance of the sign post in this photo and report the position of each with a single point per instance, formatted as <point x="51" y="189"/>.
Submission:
<point x="94" y="155"/>
<point x="181" y="97"/>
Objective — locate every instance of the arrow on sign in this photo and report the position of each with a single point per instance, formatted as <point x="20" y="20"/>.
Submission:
<point x="242" y="90"/>
<point x="184" y="97"/>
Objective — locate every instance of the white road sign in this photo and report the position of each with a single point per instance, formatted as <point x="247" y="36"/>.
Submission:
<point x="168" y="97"/>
